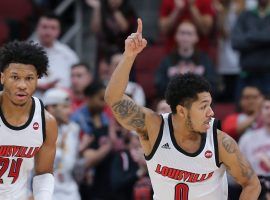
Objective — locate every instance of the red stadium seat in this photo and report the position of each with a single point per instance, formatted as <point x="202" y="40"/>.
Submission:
<point x="146" y="65"/>
<point x="18" y="10"/>
<point x="4" y="32"/>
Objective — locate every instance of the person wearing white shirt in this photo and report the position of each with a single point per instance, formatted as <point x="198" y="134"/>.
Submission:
<point x="58" y="103"/>
<point x="61" y="57"/>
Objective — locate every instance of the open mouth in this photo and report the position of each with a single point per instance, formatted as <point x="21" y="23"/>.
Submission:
<point x="21" y="96"/>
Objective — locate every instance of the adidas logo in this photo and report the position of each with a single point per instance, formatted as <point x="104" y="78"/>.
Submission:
<point x="166" y="146"/>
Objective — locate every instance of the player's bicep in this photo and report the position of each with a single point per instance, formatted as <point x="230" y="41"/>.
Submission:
<point x="44" y="159"/>
<point x="236" y="164"/>
<point x="132" y="116"/>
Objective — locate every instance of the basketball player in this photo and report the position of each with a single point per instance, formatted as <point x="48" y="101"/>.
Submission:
<point x="186" y="154"/>
<point x="28" y="133"/>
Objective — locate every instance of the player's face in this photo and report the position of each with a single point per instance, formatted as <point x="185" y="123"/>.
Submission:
<point x="62" y="113"/>
<point x="200" y="114"/>
<point x="80" y="78"/>
<point x="20" y="82"/>
<point x="48" y="30"/>
<point x="266" y="112"/>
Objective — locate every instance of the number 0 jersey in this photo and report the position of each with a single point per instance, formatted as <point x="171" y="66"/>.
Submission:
<point x="18" y="146"/>
<point x="178" y="175"/>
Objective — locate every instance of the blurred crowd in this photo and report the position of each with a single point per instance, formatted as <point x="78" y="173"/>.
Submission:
<point x="226" y="41"/>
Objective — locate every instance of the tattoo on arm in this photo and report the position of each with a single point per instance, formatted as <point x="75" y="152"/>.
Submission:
<point x="127" y="110"/>
<point x="230" y="146"/>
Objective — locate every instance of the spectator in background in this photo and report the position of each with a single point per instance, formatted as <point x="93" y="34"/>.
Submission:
<point x="128" y="167"/>
<point x="81" y="77"/>
<point x="61" y="57"/>
<point x="247" y="119"/>
<point x="251" y="37"/>
<point x="200" y="12"/>
<point x="163" y="107"/>
<point x="250" y="4"/>
<point x="256" y="147"/>
<point x="228" y="59"/>
<point x="57" y="102"/>
<point x="96" y="143"/>
<point x="112" y="21"/>
<point x="186" y="58"/>
<point x="134" y="90"/>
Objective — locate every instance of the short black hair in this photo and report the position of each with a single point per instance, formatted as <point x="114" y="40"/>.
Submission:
<point x="24" y="53"/>
<point x="51" y="15"/>
<point x="93" y="88"/>
<point x="253" y="85"/>
<point x="183" y="90"/>
<point x="82" y="64"/>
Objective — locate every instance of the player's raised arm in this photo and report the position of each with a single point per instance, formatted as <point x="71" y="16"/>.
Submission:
<point x="238" y="167"/>
<point x="130" y="115"/>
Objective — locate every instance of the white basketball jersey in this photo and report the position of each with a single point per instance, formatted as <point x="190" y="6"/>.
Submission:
<point x="178" y="175"/>
<point x="18" y="146"/>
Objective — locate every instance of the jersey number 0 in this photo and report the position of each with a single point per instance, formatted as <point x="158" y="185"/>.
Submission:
<point x="181" y="191"/>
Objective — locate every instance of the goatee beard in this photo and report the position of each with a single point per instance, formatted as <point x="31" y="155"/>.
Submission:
<point x="190" y="125"/>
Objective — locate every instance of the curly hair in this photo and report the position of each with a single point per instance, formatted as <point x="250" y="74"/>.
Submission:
<point x="25" y="53"/>
<point x="183" y="90"/>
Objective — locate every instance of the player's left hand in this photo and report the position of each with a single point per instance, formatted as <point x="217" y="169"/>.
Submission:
<point x="135" y="43"/>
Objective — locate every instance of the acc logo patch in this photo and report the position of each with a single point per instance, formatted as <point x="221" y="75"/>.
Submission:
<point x="208" y="154"/>
<point x="35" y="126"/>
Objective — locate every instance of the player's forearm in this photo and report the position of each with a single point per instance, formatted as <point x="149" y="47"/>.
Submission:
<point x="119" y="80"/>
<point x="251" y="191"/>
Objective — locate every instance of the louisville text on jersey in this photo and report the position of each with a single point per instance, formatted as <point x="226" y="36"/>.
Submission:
<point x="18" y="151"/>
<point x="182" y="175"/>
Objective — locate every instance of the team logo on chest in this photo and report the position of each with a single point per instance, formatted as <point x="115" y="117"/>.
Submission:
<point x="35" y="126"/>
<point x="208" y="154"/>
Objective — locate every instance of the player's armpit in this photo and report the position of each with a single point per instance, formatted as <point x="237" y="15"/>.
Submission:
<point x="134" y="117"/>
<point x="238" y="166"/>
<point x="44" y="159"/>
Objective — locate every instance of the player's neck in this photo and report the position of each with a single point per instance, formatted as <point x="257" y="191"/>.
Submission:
<point x="10" y="109"/>
<point x="180" y="130"/>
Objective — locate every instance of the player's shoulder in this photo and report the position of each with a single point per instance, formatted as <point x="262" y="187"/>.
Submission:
<point x="224" y="139"/>
<point x="51" y="129"/>
<point x="49" y="117"/>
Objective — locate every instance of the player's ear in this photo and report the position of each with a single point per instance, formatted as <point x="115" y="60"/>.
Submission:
<point x="2" y="78"/>
<point x="180" y="110"/>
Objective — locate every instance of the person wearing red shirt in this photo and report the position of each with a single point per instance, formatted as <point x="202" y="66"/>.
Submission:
<point x="200" y="12"/>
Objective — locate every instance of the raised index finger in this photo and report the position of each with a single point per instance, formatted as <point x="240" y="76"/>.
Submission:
<point x="140" y="26"/>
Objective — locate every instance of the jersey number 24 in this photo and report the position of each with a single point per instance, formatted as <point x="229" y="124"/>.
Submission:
<point x="14" y="170"/>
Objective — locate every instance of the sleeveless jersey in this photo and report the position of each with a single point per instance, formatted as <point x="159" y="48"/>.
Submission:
<point x="18" y="146"/>
<point x="178" y="175"/>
